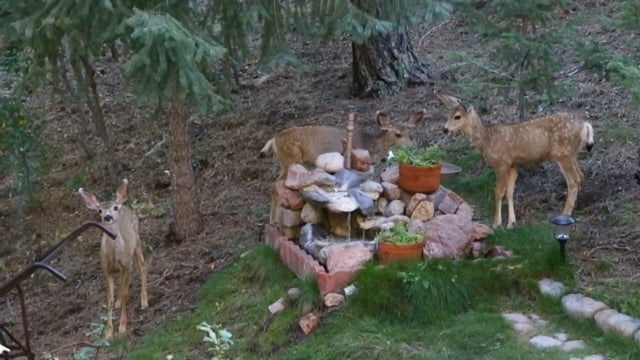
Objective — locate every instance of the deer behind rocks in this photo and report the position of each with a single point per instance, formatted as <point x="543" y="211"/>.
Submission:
<point x="118" y="255"/>
<point x="303" y="144"/>
<point x="558" y="137"/>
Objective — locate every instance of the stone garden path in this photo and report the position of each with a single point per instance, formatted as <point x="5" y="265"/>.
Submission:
<point x="577" y="306"/>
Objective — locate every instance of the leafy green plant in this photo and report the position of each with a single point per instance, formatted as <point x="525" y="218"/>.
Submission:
<point x="398" y="235"/>
<point x="417" y="156"/>
<point x="218" y="338"/>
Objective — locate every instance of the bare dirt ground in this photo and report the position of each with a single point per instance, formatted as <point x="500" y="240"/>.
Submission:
<point x="233" y="183"/>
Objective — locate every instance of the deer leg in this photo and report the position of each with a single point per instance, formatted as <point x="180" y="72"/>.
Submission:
<point x="108" y="330"/>
<point x="511" y="185"/>
<point x="501" y="186"/>
<point x="573" y="177"/>
<point x="125" y="278"/>
<point x="144" y="298"/>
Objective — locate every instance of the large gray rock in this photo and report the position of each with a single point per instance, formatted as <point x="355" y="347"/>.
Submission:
<point x="347" y="179"/>
<point x="330" y="162"/>
<point x="551" y="288"/>
<point x="580" y="306"/>
<point x="611" y="320"/>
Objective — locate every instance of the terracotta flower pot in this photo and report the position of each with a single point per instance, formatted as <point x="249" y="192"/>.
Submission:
<point x="422" y="179"/>
<point x="388" y="252"/>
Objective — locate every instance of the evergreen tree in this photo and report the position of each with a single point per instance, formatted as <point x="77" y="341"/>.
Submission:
<point x="171" y="54"/>
<point x="59" y="39"/>
<point x="169" y="63"/>
<point x="384" y="61"/>
<point x="522" y="46"/>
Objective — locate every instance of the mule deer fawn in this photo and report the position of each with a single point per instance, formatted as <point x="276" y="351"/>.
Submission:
<point x="303" y="144"/>
<point x="117" y="255"/>
<point x="558" y="137"/>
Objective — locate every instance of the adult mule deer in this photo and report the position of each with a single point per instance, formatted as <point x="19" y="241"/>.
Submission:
<point x="558" y="137"/>
<point x="303" y="144"/>
<point x="118" y="255"/>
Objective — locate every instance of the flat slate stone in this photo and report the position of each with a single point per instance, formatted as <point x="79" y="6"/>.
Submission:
<point x="545" y="342"/>
<point x="612" y="320"/>
<point x="580" y="306"/>
<point x="551" y="288"/>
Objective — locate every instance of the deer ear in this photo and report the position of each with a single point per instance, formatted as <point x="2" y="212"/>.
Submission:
<point x="89" y="199"/>
<point x="383" y="120"/>
<point x="466" y="106"/>
<point x="416" y="118"/>
<point x="121" y="193"/>
<point x="449" y="102"/>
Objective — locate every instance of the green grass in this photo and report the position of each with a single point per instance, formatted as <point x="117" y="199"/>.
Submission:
<point x="439" y="309"/>
<point x="237" y="298"/>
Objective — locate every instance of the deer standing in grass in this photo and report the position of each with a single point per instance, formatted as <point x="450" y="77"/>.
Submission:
<point x="558" y="137"/>
<point x="118" y="254"/>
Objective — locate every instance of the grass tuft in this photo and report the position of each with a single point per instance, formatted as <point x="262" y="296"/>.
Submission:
<point x="309" y="294"/>
<point x="263" y="266"/>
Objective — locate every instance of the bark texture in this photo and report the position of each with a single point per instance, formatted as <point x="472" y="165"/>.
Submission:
<point x="384" y="65"/>
<point x="188" y="220"/>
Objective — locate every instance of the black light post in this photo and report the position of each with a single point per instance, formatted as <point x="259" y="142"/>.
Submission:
<point x="560" y="221"/>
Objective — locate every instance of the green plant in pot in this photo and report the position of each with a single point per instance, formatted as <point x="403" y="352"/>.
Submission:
<point x="398" y="243"/>
<point x="420" y="168"/>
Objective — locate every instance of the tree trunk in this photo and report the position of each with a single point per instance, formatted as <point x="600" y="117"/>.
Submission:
<point x="384" y="65"/>
<point x="188" y="220"/>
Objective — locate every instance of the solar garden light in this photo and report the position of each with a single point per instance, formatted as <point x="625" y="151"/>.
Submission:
<point x="561" y="221"/>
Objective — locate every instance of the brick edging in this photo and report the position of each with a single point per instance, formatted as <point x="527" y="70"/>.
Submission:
<point x="303" y="264"/>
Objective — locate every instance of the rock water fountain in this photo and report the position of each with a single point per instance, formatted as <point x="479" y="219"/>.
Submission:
<point x="326" y="218"/>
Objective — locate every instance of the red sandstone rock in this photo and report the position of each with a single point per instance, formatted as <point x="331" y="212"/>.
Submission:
<point x="481" y="232"/>
<point x="424" y="211"/>
<point x="448" y="205"/>
<point x="308" y="323"/>
<point x="414" y="201"/>
<point x="296" y="176"/>
<point x="346" y="256"/>
<point x="390" y="191"/>
<point x="360" y="159"/>
<point x="287" y="217"/>
<point x="332" y="300"/>
<point x="445" y="237"/>
<point x="288" y="198"/>
<point x="390" y="174"/>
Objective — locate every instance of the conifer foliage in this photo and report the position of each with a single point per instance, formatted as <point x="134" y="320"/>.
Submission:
<point x="169" y="63"/>
<point x="179" y="54"/>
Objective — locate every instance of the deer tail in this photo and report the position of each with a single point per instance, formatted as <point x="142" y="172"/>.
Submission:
<point x="268" y="146"/>
<point x="587" y="135"/>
